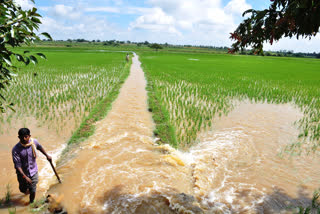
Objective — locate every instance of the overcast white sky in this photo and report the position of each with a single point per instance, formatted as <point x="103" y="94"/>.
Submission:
<point x="194" y="22"/>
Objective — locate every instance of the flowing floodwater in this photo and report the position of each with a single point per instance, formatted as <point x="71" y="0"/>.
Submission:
<point x="119" y="169"/>
<point x="248" y="174"/>
<point x="234" y="169"/>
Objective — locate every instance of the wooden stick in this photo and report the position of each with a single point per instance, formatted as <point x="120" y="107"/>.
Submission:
<point x="55" y="171"/>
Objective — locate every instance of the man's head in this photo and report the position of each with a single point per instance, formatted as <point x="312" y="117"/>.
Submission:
<point x="24" y="135"/>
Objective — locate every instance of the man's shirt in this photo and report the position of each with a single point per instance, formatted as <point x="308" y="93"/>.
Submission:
<point x="23" y="157"/>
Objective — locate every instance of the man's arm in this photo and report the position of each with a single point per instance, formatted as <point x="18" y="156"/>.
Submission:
<point x="41" y="149"/>
<point x="23" y="175"/>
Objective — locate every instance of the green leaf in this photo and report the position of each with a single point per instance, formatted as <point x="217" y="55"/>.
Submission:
<point x="19" y="57"/>
<point x="7" y="60"/>
<point x="6" y="38"/>
<point x="2" y="97"/>
<point x="33" y="59"/>
<point x="27" y="61"/>
<point x="36" y="20"/>
<point x="36" y="15"/>
<point x="248" y="11"/>
<point x="4" y="71"/>
<point x="33" y="10"/>
<point x="12" y="32"/>
<point x="11" y="107"/>
<point x="46" y="35"/>
<point x="41" y="55"/>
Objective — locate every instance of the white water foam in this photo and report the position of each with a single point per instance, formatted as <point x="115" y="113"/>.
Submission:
<point x="212" y="156"/>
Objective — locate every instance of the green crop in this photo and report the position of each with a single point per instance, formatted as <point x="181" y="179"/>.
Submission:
<point x="61" y="91"/>
<point x="194" y="88"/>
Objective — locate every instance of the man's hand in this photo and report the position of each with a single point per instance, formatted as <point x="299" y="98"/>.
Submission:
<point x="28" y="179"/>
<point x="49" y="158"/>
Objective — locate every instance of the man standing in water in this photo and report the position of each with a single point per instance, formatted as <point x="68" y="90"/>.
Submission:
<point x="24" y="158"/>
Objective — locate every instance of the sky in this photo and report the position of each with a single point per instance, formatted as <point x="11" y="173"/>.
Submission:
<point x="183" y="22"/>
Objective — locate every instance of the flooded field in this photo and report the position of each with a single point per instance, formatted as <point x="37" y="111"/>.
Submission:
<point x="235" y="168"/>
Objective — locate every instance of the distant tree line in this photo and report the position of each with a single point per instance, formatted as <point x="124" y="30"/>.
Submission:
<point x="283" y="53"/>
<point x="157" y="46"/>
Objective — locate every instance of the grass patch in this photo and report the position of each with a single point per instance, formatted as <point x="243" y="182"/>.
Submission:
<point x="163" y="130"/>
<point x="12" y="210"/>
<point x="6" y="201"/>
<point x="38" y="206"/>
<point x="7" y="196"/>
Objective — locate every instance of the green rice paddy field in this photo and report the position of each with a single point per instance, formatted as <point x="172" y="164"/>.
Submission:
<point x="61" y="91"/>
<point x="193" y="88"/>
<point x="186" y="90"/>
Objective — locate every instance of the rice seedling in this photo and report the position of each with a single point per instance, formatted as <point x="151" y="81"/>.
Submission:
<point x="12" y="210"/>
<point x="193" y="92"/>
<point x="7" y="198"/>
<point x="68" y="85"/>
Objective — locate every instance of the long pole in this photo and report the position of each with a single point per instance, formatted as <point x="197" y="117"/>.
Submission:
<point x="55" y="171"/>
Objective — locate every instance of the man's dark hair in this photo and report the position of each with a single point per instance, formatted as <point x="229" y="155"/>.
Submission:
<point x="23" y="132"/>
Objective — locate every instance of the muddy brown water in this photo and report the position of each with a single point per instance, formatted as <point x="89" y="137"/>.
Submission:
<point x="234" y="169"/>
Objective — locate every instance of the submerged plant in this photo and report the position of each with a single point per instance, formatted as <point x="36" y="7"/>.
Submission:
<point x="38" y="206"/>
<point x="315" y="199"/>
<point x="12" y="210"/>
<point x="7" y="198"/>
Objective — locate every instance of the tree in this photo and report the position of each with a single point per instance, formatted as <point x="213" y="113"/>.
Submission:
<point x="17" y="27"/>
<point x="155" y="46"/>
<point x="284" y="18"/>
